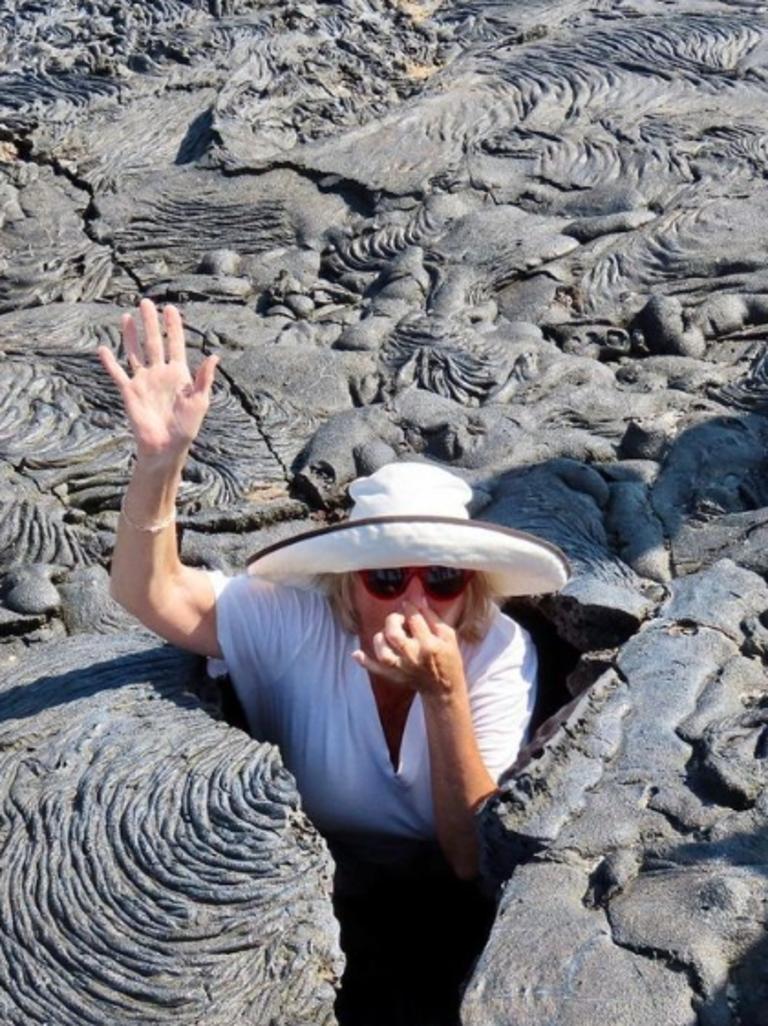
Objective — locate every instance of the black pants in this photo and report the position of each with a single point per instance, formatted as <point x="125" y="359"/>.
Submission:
<point x="411" y="933"/>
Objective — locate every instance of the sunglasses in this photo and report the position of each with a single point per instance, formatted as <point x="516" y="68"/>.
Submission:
<point x="440" y="583"/>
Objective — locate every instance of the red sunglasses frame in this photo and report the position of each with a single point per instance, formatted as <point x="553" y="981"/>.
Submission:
<point x="415" y="571"/>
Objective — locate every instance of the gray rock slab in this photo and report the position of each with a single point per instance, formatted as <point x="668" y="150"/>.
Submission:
<point x="41" y="224"/>
<point x="86" y="605"/>
<point x="60" y="327"/>
<point x="149" y="125"/>
<point x="722" y="597"/>
<point x="166" y="222"/>
<point x="563" y="965"/>
<point x="652" y="792"/>
<point x="293" y="390"/>
<point x="741" y="537"/>
<point x="564" y="502"/>
<point x="706" y="919"/>
<point x="229" y="546"/>
<point x="158" y="866"/>
<point x="38" y="528"/>
<point x="367" y="133"/>
<point x="713" y="468"/>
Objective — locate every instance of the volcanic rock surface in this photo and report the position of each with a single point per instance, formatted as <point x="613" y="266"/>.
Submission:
<point x="526" y="240"/>
<point x="157" y="866"/>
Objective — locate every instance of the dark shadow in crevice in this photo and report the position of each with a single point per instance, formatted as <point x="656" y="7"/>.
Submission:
<point x="557" y="659"/>
<point x="411" y="933"/>
<point x="219" y="696"/>
<point x="198" y="138"/>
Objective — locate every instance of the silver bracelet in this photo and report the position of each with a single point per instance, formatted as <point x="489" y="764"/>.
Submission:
<point x="155" y="528"/>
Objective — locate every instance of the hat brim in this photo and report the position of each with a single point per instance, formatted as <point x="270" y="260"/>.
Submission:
<point x="516" y="563"/>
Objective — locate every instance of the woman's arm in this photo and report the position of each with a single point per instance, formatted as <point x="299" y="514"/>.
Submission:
<point x="166" y="407"/>
<point x="419" y="651"/>
<point x="460" y="780"/>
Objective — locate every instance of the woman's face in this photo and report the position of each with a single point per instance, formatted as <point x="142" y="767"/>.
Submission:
<point x="371" y="612"/>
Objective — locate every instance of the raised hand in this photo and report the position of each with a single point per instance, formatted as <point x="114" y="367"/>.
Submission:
<point x="164" y="403"/>
<point x="418" y="650"/>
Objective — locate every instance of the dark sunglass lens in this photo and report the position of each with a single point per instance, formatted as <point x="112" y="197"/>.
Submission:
<point x="386" y="582"/>
<point x="445" y="581"/>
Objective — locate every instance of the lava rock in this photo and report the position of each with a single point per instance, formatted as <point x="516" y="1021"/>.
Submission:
<point x="162" y="853"/>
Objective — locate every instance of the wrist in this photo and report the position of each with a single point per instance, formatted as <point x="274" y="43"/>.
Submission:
<point x="152" y="527"/>
<point x="443" y="689"/>
<point x="150" y="498"/>
<point x="160" y="464"/>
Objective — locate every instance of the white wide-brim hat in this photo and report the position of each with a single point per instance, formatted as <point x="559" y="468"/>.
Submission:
<point x="415" y="514"/>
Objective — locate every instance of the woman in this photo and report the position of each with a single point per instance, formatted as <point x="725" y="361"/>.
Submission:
<point x="371" y="651"/>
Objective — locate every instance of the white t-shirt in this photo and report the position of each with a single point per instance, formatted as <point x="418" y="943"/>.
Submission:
<point x="291" y="665"/>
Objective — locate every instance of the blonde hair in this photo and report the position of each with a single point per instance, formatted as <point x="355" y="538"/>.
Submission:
<point x="473" y="623"/>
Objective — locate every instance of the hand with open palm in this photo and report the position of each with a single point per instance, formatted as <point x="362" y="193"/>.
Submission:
<point x="164" y="403"/>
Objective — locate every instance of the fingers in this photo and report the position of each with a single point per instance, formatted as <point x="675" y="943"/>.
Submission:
<point x="418" y="625"/>
<point x="112" y="367"/>
<point x="367" y="663"/>
<point x="394" y="630"/>
<point x="385" y="654"/>
<point x="373" y="666"/>
<point x="427" y="627"/>
<point x="153" y="349"/>
<point x="402" y="640"/>
<point x="205" y="374"/>
<point x="131" y="342"/>
<point x="429" y="615"/>
<point x="424" y="623"/>
<point x="174" y="330"/>
<point x="153" y="338"/>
